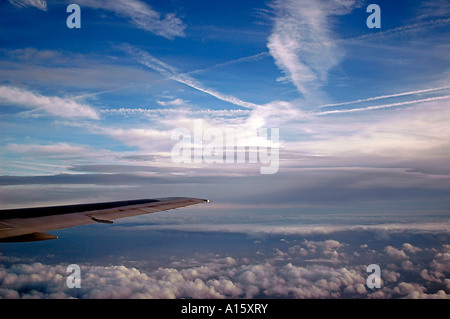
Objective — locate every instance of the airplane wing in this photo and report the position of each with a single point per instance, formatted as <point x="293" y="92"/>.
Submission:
<point x="31" y="224"/>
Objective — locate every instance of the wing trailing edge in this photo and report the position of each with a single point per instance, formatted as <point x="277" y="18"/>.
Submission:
<point x="28" y="237"/>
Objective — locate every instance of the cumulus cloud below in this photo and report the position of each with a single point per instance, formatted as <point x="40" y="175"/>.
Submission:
<point x="296" y="267"/>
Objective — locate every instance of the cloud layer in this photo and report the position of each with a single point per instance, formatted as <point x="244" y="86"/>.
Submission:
<point x="293" y="268"/>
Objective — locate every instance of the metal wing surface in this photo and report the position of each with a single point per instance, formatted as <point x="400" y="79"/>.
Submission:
<point x="31" y="224"/>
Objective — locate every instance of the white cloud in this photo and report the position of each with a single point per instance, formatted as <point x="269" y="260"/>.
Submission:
<point x="158" y="141"/>
<point x="416" y="291"/>
<point x="395" y="253"/>
<point x="40" y="4"/>
<point x="408" y="265"/>
<point x="175" y="102"/>
<point x="410" y="248"/>
<point x="413" y="136"/>
<point x="260" y="229"/>
<point x="329" y="248"/>
<point x="440" y="266"/>
<point x="61" y="107"/>
<point x="278" y="274"/>
<point x="142" y="15"/>
<point x="219" y="280"/>
<point x="302" y="42"/>
<point x="389" y="276"/>
<point x="274" y="114"/>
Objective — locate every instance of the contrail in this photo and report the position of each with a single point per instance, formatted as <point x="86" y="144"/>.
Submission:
<point x="250" y="58"/>
<point x="416" y="27"/>
<point x="170" y="72"/>
<point x="386" y="96"/>
<point x="376" y="107"/>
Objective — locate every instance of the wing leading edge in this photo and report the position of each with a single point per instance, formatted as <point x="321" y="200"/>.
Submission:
<point x="31" y="224"/>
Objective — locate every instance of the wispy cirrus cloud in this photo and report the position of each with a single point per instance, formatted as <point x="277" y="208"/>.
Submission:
<point x="302" y="42"/>
<point x="435" y="8"/>
<point x="61" y="107"/>
<point x="142" y="15"/>
<point x="40" y="4"/>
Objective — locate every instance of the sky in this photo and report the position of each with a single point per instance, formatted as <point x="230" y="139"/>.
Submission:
<point x="340" y="154"/>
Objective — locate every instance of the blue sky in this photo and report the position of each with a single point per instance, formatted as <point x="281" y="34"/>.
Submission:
<point x="87" y="114"/>
<point x="362" y="112"/>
